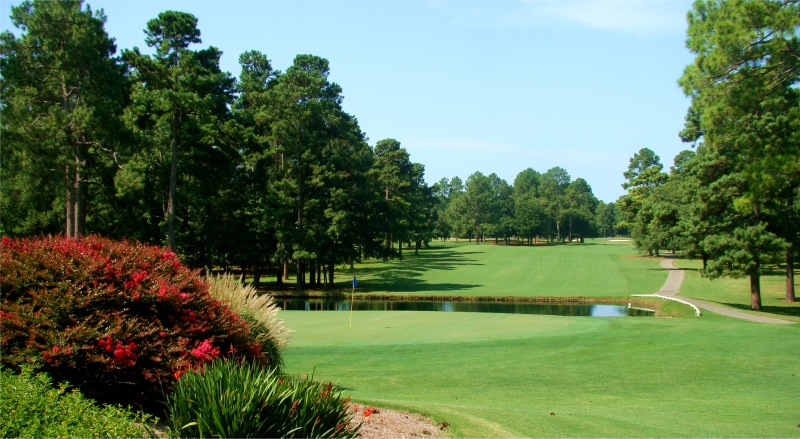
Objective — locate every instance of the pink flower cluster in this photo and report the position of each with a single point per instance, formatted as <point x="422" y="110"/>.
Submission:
<point x="170" y="256"/>
<point x="123" y="353"/>
<point x="50" y="356"/>
<point x="136" y="279"/>
<point x="205" y="351"/>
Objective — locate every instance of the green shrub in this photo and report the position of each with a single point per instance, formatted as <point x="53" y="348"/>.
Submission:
<point x="121" y="321"/>
<point x="230" y="399"/>
<point x="31" y="407"/>
<point x="258" y="310"/>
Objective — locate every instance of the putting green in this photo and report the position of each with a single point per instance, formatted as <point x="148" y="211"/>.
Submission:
<point x="332" y="328"/>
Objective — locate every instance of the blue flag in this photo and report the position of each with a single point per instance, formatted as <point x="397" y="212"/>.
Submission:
<point x="355" y="281"/>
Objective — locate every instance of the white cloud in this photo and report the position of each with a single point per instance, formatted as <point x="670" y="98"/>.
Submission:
<point x="644" y="17"/>
<point x="625" y="16"/>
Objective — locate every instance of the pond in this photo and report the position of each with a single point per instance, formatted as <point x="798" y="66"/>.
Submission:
<point x="557" y="309"/>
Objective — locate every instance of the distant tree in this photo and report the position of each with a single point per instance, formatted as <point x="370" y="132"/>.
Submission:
<point x="424" y="211"/>
<point x="580" y="212"/>
<point x="553" y="192"/>
<point x="479" y="203"/>
<point x="180" y="99"/>
<point x="457" y="213"/>
<point x="501" y="223"/>
<point x="251" y="223"/>
<point x="644" y="175"/>
<point x="440" y="192"/>
<point x="605" y="215"/>
<point x="342" y="198"/>
<point x="304" y="114"/>
<point x="529" y="212"/>
<point x="393" y="174"/>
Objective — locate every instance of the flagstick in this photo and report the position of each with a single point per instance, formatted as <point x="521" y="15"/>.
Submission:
<point x="351" y="304"/>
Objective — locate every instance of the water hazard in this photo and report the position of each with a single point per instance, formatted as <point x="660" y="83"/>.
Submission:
<point x="557" y="309"/>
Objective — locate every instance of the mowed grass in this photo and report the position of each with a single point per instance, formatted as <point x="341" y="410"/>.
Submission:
<point x="502" y="375"/>
<point x="598" y="268"/>
<point x="493" y="375"/>
<point x="735" y="293"/>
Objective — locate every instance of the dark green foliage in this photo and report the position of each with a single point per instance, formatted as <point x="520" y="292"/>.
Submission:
<point x="229" y="399"/>
<point x="61" y="98"/>
<point x="32" y="407"/>
<point x="118" y="320"/>
<point x="745" y="113"/>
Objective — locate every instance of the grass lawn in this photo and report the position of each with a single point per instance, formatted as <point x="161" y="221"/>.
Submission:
<point x="497" y="375"/>
<point x="599" y="268"/>
<point x="735" y="293"/>
<point x="503" y="375"/>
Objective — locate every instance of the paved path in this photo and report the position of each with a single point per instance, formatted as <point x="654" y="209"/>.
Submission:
<point x="672" y="286"/>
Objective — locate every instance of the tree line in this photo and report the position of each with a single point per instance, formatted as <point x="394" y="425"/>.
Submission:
<point x="734" y="199"/>
<point x="263" y="171"/>
<point x="267" y="171"/>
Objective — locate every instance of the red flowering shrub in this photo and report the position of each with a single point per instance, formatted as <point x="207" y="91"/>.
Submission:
<point x="119" y="320"/>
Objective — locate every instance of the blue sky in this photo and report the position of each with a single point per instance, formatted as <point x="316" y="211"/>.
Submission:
<point x="490" y="86"/>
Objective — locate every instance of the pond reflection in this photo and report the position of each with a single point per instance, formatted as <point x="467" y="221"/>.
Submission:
<point x="556" y="309"/>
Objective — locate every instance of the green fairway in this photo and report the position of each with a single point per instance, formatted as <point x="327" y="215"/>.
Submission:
<point x="599" y="268"/>
<point x="503" y="375"/>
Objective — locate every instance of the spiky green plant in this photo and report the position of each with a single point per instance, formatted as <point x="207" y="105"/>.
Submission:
<point x="257" y="309"/>
<point x="231" y="399"/>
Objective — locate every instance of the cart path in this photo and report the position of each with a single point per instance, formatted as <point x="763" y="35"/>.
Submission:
<point x="672" y="286"/>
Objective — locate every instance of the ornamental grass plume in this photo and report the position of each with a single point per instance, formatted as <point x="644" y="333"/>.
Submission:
<point x="259" y="310"/>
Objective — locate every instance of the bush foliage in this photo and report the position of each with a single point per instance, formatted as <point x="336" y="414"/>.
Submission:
<point x="32" y="407"/>
<point x="231" y="399"/>
<point x="120" y="320"/>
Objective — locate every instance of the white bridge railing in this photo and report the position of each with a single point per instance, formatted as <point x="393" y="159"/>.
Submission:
<point x="696" y="309"/>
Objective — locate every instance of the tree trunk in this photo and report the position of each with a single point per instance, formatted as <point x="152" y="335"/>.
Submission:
<point x="300" y="273"/>
<point x="570" y="230"/>
<point x="285" y="271"/>
<point x="790" y="296"/>
<point x="256" y="275"/>
<point x="208" y="259"/>
<point x="330" y="275"/>
<point x="173" y="185"/>
<point x="755" y="289"/>
<point x="312" y="269"/>
<point x="81" y="190"/>
<point x="69" y="202"/>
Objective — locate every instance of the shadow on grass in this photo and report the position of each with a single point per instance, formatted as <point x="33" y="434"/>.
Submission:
<point x="404" y="276"/>
<point x="792" y="311"/>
